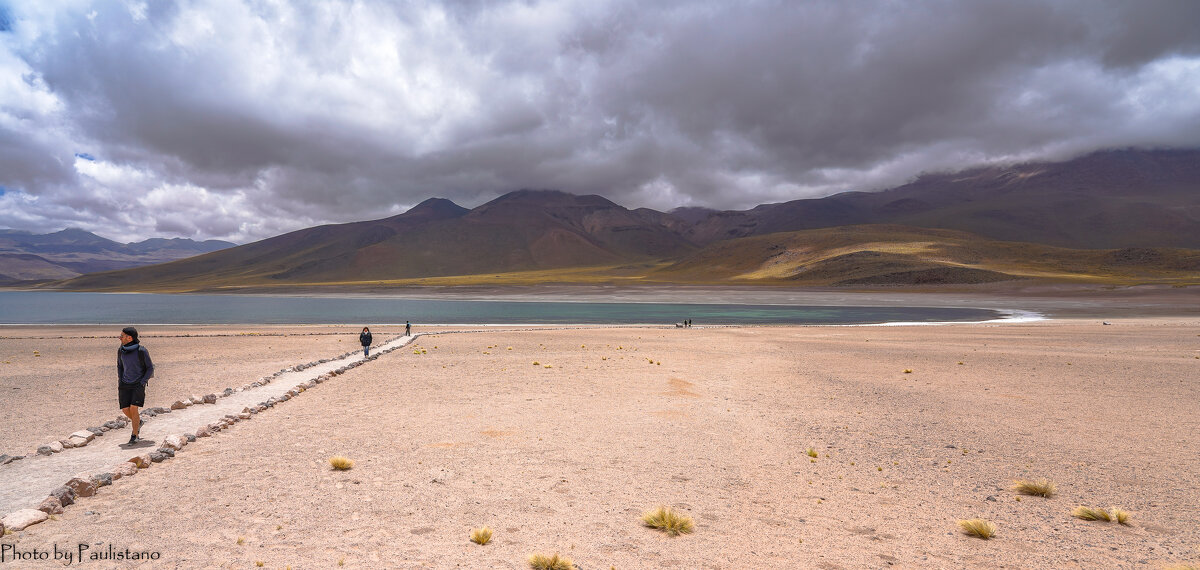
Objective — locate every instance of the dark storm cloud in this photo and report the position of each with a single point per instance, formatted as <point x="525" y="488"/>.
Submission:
<point x="239" y="119"/>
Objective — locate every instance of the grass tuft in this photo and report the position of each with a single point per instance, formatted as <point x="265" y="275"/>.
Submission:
<point x="1039" y="488"/>
<point x="978" y="528"/>
<point x="1090" y="514"/>
<point x="481" y="536"/>
<point x="241" y="540"/>
<point x="668" y="521"/>
<point x="341" y="463"/>
<point x="1121" y="516"/>
<point x="555" y="562"/>
<point x="812" y="452"/>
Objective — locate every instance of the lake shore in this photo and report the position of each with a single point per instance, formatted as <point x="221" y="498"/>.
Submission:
<point x="914" y="428"/>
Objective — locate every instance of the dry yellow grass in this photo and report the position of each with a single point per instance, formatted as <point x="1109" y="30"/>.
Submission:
<point x="1121" y="516"/>
<point x="481" y="536"/>
<point x="812" y="452"/>
<point x="668" y="521"/>
<point x="1039" y="488"/>
<point x="341" y="463"/>
<point x="555" y="562"/>
<point x="1091" y="514"/>
<point x="978" y="528"/>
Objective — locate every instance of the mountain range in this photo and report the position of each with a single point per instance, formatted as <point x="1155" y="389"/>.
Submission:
<point x="1113" y="216"/>
<point x="26" y="256"/>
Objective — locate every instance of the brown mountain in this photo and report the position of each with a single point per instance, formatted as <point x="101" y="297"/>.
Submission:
<point x="1111" y="199"/>
<point x="525" y="230"/>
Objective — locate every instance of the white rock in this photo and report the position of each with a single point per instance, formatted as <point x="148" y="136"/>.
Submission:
<point x="175" y="441"/>
<point x="123" y="469"/>
<point x="24" y="518"/>
<point x="86" y="435"/>
<point x="55" y="446"/>
<point x="77" y="441"/>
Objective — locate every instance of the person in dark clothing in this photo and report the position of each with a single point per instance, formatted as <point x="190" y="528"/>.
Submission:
<point x="134" y="370"/>
<point x="364" y="338"/>
<point x="407" y="328"/>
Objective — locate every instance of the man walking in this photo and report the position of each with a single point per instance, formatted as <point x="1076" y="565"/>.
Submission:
<point x="364" y="338"/>
<point x="407" y="328"/>
<point x="134" y="370"/>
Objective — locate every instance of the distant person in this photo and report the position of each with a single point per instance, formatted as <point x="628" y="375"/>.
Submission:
<point x="134" y="371"/>
<point x="364" y="338"/>
<point x="407" y="328"/>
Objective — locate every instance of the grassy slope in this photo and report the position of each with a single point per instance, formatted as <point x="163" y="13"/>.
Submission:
<point x="850" y="255"/>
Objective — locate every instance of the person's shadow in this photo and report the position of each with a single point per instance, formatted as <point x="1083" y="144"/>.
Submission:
<point x="140" y="444"/>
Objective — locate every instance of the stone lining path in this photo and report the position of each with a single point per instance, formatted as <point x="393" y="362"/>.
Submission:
<point x="25" y="484"/>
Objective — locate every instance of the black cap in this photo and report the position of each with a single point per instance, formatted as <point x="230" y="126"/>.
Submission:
<point x="130" y="331"/>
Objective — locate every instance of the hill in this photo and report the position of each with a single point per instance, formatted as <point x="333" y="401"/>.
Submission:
<point x="1110" y="199"/>
<point x="528" y="230"/>
<point x="26" y="256"/>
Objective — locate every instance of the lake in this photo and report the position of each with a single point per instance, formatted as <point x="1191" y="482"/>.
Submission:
<point x="41" y="307"/>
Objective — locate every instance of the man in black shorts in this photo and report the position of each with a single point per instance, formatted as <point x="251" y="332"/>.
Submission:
<point x="134" y="370"/>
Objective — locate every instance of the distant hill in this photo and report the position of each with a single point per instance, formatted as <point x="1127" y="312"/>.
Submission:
<point x="1111" y="199"/>
<point x="26" y="256"/>
<point x="1114" y="217"/>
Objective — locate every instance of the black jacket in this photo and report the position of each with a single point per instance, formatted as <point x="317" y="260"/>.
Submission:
<point x="134" y="365"/>
<point x="364" y="338"/>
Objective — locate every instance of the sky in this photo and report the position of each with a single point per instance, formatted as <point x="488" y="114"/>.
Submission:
<point x="244" y="119"/>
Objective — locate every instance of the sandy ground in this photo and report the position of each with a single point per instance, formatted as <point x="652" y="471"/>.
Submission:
<point x="56" y="380"/>
<point x="714" y="422"/>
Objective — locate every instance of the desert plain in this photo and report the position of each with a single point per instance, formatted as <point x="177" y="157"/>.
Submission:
<point x="559" y="439"/>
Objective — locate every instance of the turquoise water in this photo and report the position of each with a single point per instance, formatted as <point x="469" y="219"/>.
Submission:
<point x="37" y="307"/>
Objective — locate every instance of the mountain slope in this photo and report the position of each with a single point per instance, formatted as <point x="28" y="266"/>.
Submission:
<point x="1108" y="199"/>
<point x="520" y="231"/>
<point x="901" y="255"/>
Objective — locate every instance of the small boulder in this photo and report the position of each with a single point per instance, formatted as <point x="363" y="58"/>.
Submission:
<point x="178" y="405"/>
<point x="83" y="434"/>
<point x="203" y="432"/>
<point x="123" y="469"/>
<point x="66" y="443"/>
<point x="167" y="451"/>
<point x="82" y="487"/>
<point x="77" y="441"/>
<point x="56" y="446"/>
<point x="141" y="461"/>
<point x="175" y="441"/>
<point x="244" y="415"/>
<point x="23" y="519"/>
<point x="97" y="431"/>
<point x="51" y="506"/>
<point x="197" y="399"/>
<point x="45" y="450"/>
<point x="102" y="479"/>
<point x="157" y="457"/>
<point x="190" y="437"/>
<point x="65" y="495"/>
<point x="210" y="398"/>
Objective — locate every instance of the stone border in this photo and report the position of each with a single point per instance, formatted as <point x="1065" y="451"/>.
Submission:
<point x="85" y="436"/>
<point x="86" y="484"/>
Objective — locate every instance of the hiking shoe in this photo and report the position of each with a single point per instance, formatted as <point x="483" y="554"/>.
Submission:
<point x="133" y="438"/>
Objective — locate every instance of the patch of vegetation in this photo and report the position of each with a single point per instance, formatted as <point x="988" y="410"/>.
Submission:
<point x="1039" y="488"/>
<point x="481" y="536"/>
<point x="668" y="521"/>
<point x="1091" y="514"/>
<point x="978" y="528"/>
<point x="341" y="463"/>
<point x="555" y="562"/>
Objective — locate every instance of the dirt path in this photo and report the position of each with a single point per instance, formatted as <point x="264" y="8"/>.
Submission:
<point x="29" y="481"/>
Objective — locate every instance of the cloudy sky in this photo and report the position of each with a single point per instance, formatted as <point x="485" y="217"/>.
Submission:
<point x="242" y="119"/>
